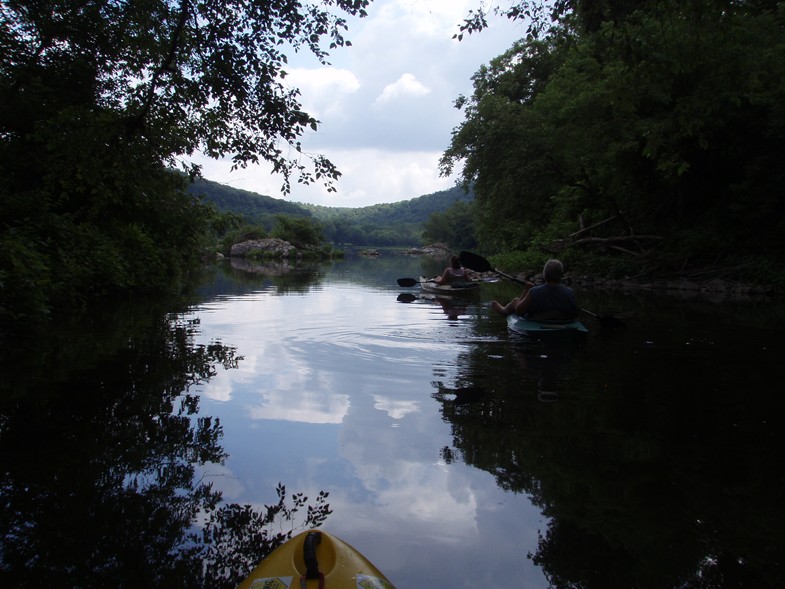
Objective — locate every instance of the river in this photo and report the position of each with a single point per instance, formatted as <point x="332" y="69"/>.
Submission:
<point x="452" y="453"/>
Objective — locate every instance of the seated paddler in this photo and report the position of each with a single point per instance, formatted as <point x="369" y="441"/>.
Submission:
<point x="550" y="301"/>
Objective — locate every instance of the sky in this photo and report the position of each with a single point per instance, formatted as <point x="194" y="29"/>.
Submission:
<point x="385" y="103"/>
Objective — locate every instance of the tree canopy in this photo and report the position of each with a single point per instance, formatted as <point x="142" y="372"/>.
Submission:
<point x="100" y="98"/>
<point x="176" y="75"/>
<point x="640" y="127"/>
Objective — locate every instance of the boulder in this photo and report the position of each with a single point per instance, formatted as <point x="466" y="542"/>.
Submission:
<point x="268" y="247"/>
<point x="435" y="249"/>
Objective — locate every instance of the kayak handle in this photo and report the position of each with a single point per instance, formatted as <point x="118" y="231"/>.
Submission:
<point x="312" y="540"/>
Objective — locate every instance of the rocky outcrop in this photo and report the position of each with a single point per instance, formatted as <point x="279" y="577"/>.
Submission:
<point x="435" y="249"/>
<point x="269" y="247"/>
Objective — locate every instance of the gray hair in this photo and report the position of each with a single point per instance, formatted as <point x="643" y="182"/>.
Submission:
<point x="553" y="271"/>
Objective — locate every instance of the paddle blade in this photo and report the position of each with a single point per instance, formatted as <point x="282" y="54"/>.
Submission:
<point x="405" y="282"/>
<point x="607" y="321"/>
<point x="611" y="322"/>
<point x="475" y="262"/>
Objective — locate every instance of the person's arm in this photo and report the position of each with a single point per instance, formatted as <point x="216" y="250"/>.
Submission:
<point x="444" y="278"/>
<point x="527" y="286"/>
<point x="525" y="301"/>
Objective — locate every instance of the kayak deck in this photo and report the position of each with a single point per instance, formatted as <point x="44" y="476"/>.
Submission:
<point x="314" y="559"/>
<point x="535" y="328"/>
<point x="461" y="289"/>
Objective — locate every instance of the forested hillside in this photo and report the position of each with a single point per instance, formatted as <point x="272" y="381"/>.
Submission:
<point x="251" y="206"/>
<point x="399" y="223"/>
<point x="415" y="210"/>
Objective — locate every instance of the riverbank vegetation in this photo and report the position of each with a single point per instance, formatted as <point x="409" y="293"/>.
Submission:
<point x="632" y="138"/>
<point x="99" y="101"/>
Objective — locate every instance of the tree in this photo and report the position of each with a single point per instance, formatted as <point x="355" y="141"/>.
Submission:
<point x="300" y="231"/>
<point x="454" y="226"/>
<point x="662" y="121"/>
<point x="99" y="98"/>
<point x="174" y="75"/>
<point x="502" y="145"/>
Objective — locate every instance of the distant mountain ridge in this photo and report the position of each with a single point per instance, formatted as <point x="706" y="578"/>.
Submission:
<point x="414" y="210"/>
<point x="250" y="205"/>
<point x="397" y="223"/>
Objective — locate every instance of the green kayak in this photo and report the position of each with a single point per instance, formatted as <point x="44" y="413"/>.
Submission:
<point x="540" y="329"/>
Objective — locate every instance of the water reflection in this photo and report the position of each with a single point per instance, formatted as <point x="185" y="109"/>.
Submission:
<point x="100" y="444"/>
<point x="655" y="466"/>
<point x="392" y="494"/>
<point x="455" y="455"/>
<point x="453" y="307"/>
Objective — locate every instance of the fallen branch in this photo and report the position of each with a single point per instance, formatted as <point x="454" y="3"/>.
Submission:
<point x="626" y="251"/>
<point x="584" y="229"/>
<point x="619" y="239"/>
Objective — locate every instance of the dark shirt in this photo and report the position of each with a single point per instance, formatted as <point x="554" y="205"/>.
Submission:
<point x="552" y="301"/>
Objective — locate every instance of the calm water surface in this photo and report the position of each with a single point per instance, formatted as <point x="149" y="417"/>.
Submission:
<point x="454" y="454"/>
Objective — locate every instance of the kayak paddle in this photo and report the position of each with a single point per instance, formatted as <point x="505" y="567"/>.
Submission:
<point x="411" y="281"/>
<point x="480" y="264"/>
<point x="405" y="282"/>
<point x="607" y="320"/>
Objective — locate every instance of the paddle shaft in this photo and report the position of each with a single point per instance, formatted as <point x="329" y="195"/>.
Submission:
<point x="480" y="264"/>
<point x="511" y="277"/>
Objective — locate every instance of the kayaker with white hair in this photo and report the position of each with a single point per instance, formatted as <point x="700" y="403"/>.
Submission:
<point x="550" y="301"/>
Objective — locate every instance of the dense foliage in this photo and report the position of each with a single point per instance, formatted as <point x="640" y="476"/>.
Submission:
<point x="454" y="226"/>
<point x="98" y="98"/>
<point x="653" y="131"/>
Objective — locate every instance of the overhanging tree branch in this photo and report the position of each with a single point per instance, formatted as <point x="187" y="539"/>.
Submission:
<point x="136" y="122"/>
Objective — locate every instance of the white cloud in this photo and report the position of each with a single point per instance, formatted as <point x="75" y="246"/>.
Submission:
<point x="323" y="91"/>
<point x="406" y="85"/>
<point x="395" y="408"/>
<point x="370" y="176"/>
<point x="301" y="407"/>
